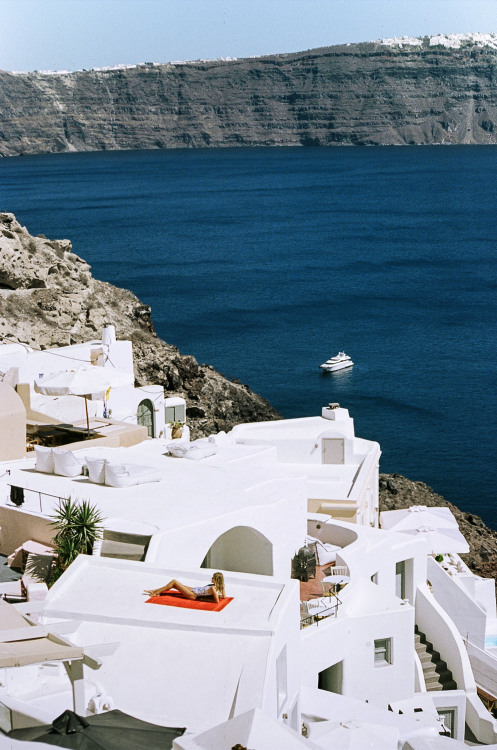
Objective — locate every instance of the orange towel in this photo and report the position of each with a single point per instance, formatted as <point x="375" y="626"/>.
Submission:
<point x="175" y="599"/>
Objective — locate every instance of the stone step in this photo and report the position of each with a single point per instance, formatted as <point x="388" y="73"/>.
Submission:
<point x="436" y="674"/>
<point x="434" y="686"/>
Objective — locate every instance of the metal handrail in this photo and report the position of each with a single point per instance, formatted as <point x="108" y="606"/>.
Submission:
<point x="312" y="619"/>
<point x="40" y="493"/>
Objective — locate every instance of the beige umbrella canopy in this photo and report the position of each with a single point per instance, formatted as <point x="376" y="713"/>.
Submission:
<point x="85" y="381"/>
<point x="417" y="515"/>
<point x="441" y="541"/>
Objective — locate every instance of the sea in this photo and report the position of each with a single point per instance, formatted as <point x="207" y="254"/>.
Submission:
<point x="265" y="262"/>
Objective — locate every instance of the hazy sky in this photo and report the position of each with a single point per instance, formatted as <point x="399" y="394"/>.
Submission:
<point x="74" y="34"/>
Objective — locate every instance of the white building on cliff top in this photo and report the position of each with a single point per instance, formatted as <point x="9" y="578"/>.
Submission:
<point x="252" y="503"/>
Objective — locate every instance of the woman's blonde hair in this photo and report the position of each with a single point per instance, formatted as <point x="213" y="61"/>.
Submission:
<point x="218" y="581"/>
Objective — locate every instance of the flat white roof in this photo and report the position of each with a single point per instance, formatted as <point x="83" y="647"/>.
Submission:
<point x="112" y="591"/>
<point x="186" y="667"/>
<point x="189" y="491"/>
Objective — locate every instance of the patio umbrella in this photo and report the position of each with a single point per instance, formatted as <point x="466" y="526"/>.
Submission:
<point x="416" y="516"/>
<point x="84" y="381"/>
<point x="354" y="735"/>
<point x="113" y="730"/>
<point x="441" y="541"/>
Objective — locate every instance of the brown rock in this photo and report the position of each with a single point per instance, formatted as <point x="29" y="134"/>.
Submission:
<point x="482" y="557"/>
<point x="49" y="298"/>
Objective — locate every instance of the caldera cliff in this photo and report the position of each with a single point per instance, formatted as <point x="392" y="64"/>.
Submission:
<point x="427" y="91"/>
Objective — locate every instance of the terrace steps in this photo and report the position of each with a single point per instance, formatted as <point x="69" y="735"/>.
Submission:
<point x="435" y="671"/>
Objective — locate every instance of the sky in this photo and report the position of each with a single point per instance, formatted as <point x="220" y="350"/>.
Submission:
<point x="76" y="34"/>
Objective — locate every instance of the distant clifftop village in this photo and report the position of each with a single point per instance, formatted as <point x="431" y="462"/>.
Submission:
<point x="403" y="91"/>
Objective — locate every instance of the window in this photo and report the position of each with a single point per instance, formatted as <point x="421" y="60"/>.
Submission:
<point x="382" y="652"/>
<point x="448" y="716"/>
<point x="374" y="578"/>
<point x="175" y="413"/>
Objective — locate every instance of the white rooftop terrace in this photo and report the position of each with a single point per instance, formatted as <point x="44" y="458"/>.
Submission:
<point x="104" y="590"/>
<point x="187" y="489"/>
<point x="175" y="666"/>
<point x="340" y="468"/>
<point x="185" y="512"/>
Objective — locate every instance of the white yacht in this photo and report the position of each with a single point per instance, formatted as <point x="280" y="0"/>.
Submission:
<point x="340" y="362"/>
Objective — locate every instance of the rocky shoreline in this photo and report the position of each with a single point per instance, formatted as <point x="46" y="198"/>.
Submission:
<point x="396" y="491"/>
<point x="49" y="298"/>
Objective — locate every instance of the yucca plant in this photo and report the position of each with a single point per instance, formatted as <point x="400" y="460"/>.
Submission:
<point x="77" y="528"/>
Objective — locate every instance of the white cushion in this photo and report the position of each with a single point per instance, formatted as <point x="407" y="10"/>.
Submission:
<point x="325" y="553"/>
<point x="66" y="463"/>
<point x="44" y="459"/>
<point x="127" y="475"/>
<point x="96" y="469"/>
<point x="178" y="449"/>
<point x="198" y="451"/>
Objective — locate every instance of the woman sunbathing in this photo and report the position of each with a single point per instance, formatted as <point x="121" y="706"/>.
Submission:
<point x="214" y="590"/>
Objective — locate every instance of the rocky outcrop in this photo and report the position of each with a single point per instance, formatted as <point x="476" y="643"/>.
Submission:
<point x="48" y="297"/>
<point x="373" y="93"/>
<point x="396" y="491"/>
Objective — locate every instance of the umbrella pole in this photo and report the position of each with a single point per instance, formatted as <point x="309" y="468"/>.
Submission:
<point x="87" y="418"/>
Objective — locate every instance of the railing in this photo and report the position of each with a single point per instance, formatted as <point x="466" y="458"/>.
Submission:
<point x="484" y="666"/>
<point x="313" y="618"/>
<point x="35" y="492"/>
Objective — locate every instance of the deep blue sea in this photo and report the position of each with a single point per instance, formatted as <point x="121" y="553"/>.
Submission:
<point x="265" y="262"/>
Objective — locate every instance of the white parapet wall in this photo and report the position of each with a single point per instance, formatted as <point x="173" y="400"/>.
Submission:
<point x="468" y="616"/>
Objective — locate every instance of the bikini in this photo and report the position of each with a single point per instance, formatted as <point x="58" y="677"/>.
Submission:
<point x="202" y="590"/>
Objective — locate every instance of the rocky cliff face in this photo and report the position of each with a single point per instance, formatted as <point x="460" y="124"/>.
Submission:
<point x="374" y="93"/>
<point x="398" y="492"/>
<point x="48" y="297"/>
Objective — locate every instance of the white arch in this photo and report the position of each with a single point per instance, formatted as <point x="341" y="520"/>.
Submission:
<point x="241" y="549"/>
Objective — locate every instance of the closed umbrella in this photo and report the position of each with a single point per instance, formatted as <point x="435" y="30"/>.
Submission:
<point x="113" y="730"/>
<point x="84" y="381"/>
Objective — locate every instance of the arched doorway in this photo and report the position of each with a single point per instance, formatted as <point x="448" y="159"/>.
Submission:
<point x="145" y="416"/>
<point x="241" y="549"/>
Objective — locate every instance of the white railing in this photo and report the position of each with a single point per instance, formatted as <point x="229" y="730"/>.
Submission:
<point x="484" y="666"/>
<point x="464" y="611"/>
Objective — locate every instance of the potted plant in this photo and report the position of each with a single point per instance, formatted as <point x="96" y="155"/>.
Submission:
<point x="77" y="528"/>
<point x="176" y="429"/>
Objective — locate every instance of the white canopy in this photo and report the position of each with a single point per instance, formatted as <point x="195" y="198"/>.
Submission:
<point x="416" y="516"/>
<point x="83" y="382"/>
<point x="441" y="541"/>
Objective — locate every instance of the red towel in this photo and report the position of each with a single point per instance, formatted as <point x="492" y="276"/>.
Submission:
<point x="176" y="599"/>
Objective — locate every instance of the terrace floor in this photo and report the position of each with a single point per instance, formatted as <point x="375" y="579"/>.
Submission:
<point x="8" y="574"/>
<point x="311" y="589"/>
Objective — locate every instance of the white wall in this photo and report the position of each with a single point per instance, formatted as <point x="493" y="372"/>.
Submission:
<point x="439" y="629"/>
<point x="282" y="522"/>
<point x="124" y="404"/>
<point x="286" y="636"/>
<point x="351" y="640"/>
<point x="467" y="615"/>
